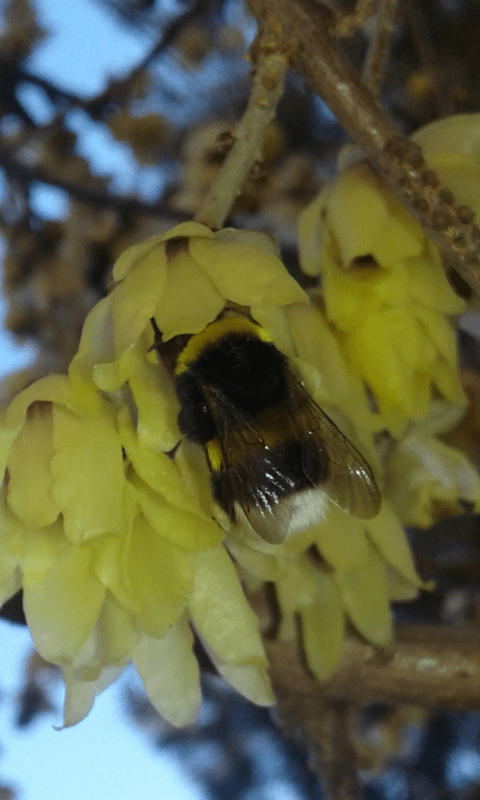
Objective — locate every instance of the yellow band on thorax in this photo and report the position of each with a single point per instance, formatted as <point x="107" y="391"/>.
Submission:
<point x="229" y="324"/>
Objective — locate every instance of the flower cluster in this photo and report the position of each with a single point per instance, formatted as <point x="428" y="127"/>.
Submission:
<point x="112" y="541"/>
<point x="389" y="307"/>
<point x="386" y="293"/>
<point x="109" y="522"/>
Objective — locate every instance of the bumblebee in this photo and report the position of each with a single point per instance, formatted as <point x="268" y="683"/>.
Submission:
<point x="274" y="455"/>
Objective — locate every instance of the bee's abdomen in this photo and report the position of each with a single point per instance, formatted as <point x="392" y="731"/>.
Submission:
<point x="263" y="482"/>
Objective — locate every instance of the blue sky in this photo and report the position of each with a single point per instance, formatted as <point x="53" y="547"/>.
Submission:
<point x="105" y="756"/>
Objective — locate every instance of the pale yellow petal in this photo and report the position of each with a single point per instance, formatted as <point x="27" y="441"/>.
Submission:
<point x="88" y="474"/>
<point x="341" y="539"/>
<point x="275" y="321"/>
<point x="310" y="230"/>
<point x="155" y="469"/>
<point x="10" y="577"/>
<point x="366" y="219"/>
<point x="245" y="274"/>
<point x="39" y="551"/>
<point x="188" y="229"/>
<point x="181" y="527"/>
<point x="97" y="342"/>
<point x="133" y="255"/>
<point x="323" y="628"/>
<point x="388" y="534"/>
<point x="159" y="576"/>
<point x="53" y="388"/>
<point x="461" y="174"/>
<point x="191" y="462"/>
<point x="110" y="643"/>
<point x="399" y="590"/>
<point x="190" y="301"/>
<point x="298" y="587"/>
<point x="170" y="674"/>
<point x="30" y="479"/>
<point x="448" y="384"/>
<point x="249" y="680"/>
<point x="108" y="566"/>
<point x="80" y="695"/>
<point x="317" y="345"/>
<point x="428" y="284"/>
<point x="155" y="399"/>
<point x="439" y="330"/>
<point x="365" y="599"/>
<point x="457" y="133"/>
<point x="254" y="238"/>
<point x="63" y="608"/>
<point x="220" y="612"/>
<point x="134" y="300"/>
<point x="266" y="567"/>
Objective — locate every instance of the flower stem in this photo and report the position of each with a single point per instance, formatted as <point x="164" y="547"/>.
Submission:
<point x="268" y="81"/>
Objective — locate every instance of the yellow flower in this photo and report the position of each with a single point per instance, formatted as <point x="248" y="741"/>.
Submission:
<point x="385" y="293"/>
<point x="341" y="569"/>
<point x="114" y="554"/>
<point x="110" y="525"/>
<point x="184" y="278"/>
<point x="426" y="480"/>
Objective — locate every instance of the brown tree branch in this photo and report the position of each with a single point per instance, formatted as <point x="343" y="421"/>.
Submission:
<point x="25" y="174"/>
<point x="302" y="32"/>
<point x="429" y="665"/>
<point x="327" y="736"/>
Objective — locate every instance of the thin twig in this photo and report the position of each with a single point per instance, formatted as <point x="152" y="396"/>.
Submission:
<point x="303" y="30"/>
<point x="379" y="46"/>
<point x="267" y="88"/>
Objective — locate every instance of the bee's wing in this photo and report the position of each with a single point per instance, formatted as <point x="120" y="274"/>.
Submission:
<point x="349" y="482"/>
<point x="249" y="477"/>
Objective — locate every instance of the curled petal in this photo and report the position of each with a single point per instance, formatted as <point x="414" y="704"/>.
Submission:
<point x="220" y="612"/>
<point x="54" y="389"/>
<point x="157" y="470"/>
<point x="169" y="671"/>
<point x="365" y="218"/>
<point x="365" y="599"/>
<point x="342" y="539"/>
<point x="39" y="551"/>
<point x="96" y="344"/>
<point x="191" y="300"/>
<point x="387" y="533"/>
<point x="323" y="628"/>
<point x="30" y="483"/>
<point x="155" y="400"/>
<point x="80" y="695"/>
<point x="134" y="300"/>
<point x="250" y="680"/>
<point x="63" y="608"/>
<point x="255" y="278"/>
<point x="159" y="576"/>
<point x="88" y="458"/>
<point x="176" y="525"/>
